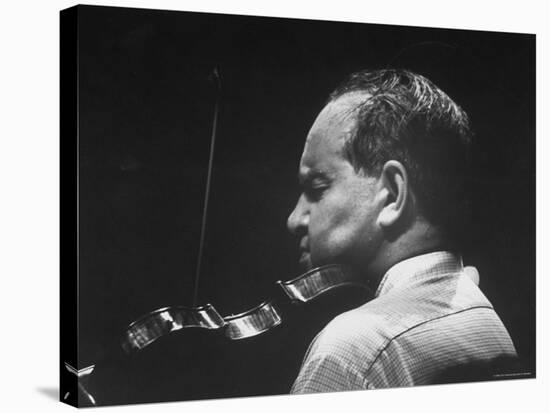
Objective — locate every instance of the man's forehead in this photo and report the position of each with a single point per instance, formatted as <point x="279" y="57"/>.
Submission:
<point x="331" y="129"/>
<point x="343" y="107"/>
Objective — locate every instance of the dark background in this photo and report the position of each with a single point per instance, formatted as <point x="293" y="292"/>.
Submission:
<point x="145" y="119"/>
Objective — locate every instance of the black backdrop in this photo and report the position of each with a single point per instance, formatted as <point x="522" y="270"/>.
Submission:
<point x="145" y="114"/>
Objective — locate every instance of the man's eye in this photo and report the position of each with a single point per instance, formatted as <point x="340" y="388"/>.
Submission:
<point x="314" y="193"/>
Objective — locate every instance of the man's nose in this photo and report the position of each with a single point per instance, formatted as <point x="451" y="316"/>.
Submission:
<point x="298" y="219"/>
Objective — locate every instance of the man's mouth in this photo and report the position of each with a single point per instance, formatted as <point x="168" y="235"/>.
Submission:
<point x="305" y="260"/>
<point x="305" y="256"/>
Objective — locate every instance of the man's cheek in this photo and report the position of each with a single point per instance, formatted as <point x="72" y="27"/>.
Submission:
<point x="339" y="238"/>
<point x="325" y="250"/>
<point x="320" y="252"/>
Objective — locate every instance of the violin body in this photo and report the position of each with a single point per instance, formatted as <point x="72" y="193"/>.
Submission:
<point x="182" y="353"/>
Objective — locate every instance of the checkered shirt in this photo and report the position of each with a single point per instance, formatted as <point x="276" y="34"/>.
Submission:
<point x="427" y="316"/>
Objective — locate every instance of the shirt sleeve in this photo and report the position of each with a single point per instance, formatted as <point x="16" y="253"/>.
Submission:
<point x="327" y="373"/>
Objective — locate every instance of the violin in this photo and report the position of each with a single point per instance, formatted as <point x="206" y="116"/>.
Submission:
<point x="192" y="352"/>
<point x="205" y="355"/>
<point x="257" y="320"/>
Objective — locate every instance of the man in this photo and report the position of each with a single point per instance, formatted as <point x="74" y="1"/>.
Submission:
<point x="383" y="176"/>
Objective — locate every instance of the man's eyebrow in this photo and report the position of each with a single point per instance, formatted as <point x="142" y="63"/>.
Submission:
<point x="306" y="178"/>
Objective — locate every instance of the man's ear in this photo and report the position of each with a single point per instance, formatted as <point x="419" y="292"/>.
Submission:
<point x="395" y="186"/>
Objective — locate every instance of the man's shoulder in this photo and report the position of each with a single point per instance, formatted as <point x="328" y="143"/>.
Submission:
<point x="358" y="333"/>
<point x="372" y="326"/>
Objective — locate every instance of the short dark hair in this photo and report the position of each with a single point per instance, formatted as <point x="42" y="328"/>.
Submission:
<point x="408" y="118"/>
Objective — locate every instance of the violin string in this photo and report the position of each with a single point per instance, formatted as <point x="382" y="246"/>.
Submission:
<point x="207" y="190"/>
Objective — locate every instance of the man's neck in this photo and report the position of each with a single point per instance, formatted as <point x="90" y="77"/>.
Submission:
<point x="422" y="238"/>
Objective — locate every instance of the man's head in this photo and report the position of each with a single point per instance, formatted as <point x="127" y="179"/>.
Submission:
<point x="383" y="172"/>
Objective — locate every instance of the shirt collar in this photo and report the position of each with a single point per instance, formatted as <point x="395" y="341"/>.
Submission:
<point x="431" y="264"/>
